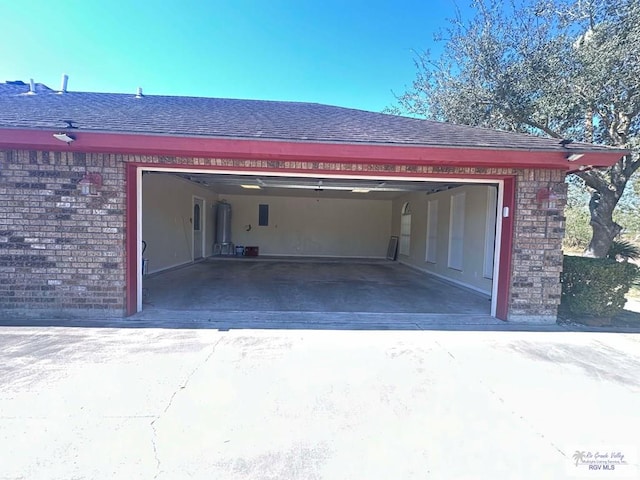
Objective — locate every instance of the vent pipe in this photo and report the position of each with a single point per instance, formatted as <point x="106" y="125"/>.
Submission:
<point x="32" y="87"/>
<point x="63" y="83"/>
<point x="139" y="94"/>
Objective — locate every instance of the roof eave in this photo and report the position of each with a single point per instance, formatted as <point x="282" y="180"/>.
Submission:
<point x="267" y="149"/>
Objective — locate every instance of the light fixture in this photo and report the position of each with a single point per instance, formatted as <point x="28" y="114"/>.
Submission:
<point x="64" y="137"/>
<point x="252" y="187"/>
<point x="575" y="156"/>
<point x="548" y="196"/>
<point x="360" y="190"/>
<point x="90" y="184"/>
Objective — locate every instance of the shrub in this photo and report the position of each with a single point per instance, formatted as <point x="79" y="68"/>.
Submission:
<point x="623" y="250"/>
<point x="595" y="287"/>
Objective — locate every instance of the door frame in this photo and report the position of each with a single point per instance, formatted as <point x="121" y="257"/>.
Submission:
<point x="203" y="227"/>
<point x="504" y="222"/>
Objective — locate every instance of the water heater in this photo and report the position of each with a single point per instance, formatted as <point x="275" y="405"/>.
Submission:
<point x="223" y="223"/>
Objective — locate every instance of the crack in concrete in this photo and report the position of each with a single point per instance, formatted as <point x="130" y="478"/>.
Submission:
<point x="181" y="387"/>
<point x="497" y="396"/>
<point x="521" y="418"/>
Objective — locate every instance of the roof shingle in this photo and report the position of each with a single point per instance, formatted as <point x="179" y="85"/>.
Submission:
<point x="247" y="119"/>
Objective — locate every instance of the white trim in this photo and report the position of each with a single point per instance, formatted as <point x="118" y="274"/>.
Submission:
<point x="170" y="267"/>
<point x="139" y="238"/>
<point x="449" y="280"/>
<point x="469" y="181"/>
<point x="496" y="250"/>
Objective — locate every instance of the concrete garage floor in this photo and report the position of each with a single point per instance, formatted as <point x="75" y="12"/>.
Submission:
<point x="88" y="403"/>
<point x="307" y="287"/>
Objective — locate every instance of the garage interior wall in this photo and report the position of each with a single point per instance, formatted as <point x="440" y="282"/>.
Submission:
<point x="167" y="212"/>
<point x="311" y="226"/>
<point x="475" y="231"/>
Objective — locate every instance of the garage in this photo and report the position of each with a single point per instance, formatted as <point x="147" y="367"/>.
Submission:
<point x="89" y="179"/>
<point x="229" y="242"/>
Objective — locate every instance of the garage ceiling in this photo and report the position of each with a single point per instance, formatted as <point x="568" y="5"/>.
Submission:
<point x="321" y="187"/>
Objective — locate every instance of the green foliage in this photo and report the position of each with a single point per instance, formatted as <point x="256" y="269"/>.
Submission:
<point x="560" y="68"/>
<point x="623" y="250"/>
<point x="577" y="229"/>
<point x="627" y="212"/>
<point x="595" y="287"/>
<point x="577" y="192"/>
<point x="630" y="220"/>
<point x="576" y="212"/>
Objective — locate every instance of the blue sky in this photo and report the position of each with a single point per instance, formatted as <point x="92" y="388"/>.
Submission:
<point x="352" y="53"/>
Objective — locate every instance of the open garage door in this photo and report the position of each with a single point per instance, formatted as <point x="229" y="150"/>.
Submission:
<point x="326" y="235"/>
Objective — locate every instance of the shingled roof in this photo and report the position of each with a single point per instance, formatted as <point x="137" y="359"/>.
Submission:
<point x="247" y="119"/>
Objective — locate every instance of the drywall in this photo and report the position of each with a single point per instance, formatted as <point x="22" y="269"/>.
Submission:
<point x="475" y="207"/>
<point x="312" y="226"/>
<point x="167" y="212"/>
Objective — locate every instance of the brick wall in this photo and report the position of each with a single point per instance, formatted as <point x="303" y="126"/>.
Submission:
<point x="62" y="252"/>
<point x="59" y="250"/>
<point x="537" y="247"/>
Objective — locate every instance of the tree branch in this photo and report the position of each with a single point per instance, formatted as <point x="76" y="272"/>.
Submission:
<point x="532" y="123"/>
<point x="540" y="127"/>
<point x="593" y="179"/>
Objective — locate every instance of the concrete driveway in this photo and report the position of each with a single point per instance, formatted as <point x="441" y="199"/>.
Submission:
<point x="306" y="404"/>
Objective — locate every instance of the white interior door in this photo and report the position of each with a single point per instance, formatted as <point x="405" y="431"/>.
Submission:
<point x="198" y="228"/>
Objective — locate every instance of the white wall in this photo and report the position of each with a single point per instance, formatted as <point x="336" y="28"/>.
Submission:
<point x="471" y="274"/>
<point x="312" y="226"/>
<point x="306" y="226"/>
<point x="167" y="210"/>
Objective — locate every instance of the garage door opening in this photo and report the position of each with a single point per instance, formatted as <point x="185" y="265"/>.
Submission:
<point x="319" y="228"/>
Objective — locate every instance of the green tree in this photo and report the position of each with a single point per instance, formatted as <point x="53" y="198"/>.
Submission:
<point x="568" y="69"/>
<point x="576" y="212"/>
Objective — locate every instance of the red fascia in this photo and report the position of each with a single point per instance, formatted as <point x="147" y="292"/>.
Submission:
<point x="131" y="294"/>
<point x="92" y="142"/>
<point x="506" y="249"/>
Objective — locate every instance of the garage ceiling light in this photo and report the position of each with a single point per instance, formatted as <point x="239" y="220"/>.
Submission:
<point x="360" y="190"/>
<point x="254" y="187"/>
